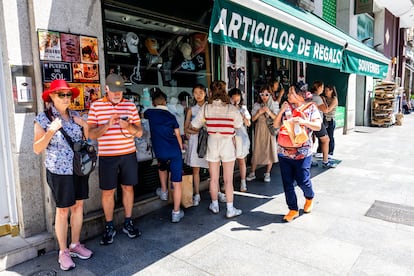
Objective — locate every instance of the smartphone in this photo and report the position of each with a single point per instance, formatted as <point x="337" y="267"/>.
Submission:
<point x="125" y="118"/>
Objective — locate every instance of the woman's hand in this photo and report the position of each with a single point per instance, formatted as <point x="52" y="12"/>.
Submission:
<point x="284" y="106"/>
<point x="55" y="125"/>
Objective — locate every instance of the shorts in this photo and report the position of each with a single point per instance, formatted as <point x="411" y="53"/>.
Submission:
<point x="220" y="148"/>
<point x="121" y="169"/>
<point x="322" y="132"/>
<point x="66" y="189"/>
<point x="174" y="165"/>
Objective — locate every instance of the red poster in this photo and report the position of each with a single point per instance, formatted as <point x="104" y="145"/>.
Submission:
<point x="70" y="45"/>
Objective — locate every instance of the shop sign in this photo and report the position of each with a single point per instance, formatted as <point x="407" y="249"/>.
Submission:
<point x="362" y="65"/>
<point x="363" y="6"/>
<point x="236" y="26"/>
<point x="56" y="70"/>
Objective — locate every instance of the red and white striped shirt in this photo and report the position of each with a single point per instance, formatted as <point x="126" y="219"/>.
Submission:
<point x="219" y="118"/>
<point x="115" y="141"/>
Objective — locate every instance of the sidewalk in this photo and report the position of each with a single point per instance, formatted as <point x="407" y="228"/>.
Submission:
<point x="337" y="238"/>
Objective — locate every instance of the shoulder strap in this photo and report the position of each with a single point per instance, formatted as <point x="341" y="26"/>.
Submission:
<point x="48" y="113"/>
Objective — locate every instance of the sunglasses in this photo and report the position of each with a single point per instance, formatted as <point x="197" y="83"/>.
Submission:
<point x="264" y="94"/>
<point x="63" y="95"/>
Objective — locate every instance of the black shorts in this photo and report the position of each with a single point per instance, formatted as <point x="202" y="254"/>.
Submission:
<point x="122" y="169"/>
<point x="322" y="132"/>
<point x="66" y="189"/>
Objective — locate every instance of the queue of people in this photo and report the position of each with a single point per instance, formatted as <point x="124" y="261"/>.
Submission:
<point x="114" y="122"/>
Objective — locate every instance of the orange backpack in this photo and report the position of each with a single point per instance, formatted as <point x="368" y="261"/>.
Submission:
<point x="293" y="135"/>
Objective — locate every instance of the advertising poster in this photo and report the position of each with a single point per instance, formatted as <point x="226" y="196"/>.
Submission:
<point x="91" y="92"/>
<point x="70" y="45"/>
<point x="85" y="72"/>
<point x="78" y="102"/>
<point x="89" y="49"/>
<point x="49" y="45"/>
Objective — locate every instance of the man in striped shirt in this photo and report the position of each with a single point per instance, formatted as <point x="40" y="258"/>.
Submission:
<point x="114" y="122"/>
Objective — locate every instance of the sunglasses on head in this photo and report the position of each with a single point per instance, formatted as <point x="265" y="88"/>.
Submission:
<point x="264" y="94"/>
<point x="63" y="95"/>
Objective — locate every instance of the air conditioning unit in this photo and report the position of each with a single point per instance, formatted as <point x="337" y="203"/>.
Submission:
<point x="307" y="5"/>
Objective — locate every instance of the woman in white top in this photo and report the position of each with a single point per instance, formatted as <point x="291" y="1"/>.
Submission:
<point x="221" y="119"/>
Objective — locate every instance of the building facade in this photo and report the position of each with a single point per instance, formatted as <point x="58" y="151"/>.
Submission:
<point x="153" y="44"/>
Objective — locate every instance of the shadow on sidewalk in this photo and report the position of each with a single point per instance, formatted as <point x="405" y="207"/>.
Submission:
<point x="160" y="237"/>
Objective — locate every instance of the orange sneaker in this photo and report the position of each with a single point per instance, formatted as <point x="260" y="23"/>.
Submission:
<point x="291" y="215"/>
<point x="308" y="206"/>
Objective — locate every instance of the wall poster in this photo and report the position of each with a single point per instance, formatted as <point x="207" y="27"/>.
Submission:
<point x="75" y="59"/>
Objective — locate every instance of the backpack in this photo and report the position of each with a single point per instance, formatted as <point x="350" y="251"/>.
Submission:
<point x="293" y="135"/>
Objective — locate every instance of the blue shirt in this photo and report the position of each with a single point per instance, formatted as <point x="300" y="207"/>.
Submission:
<point x="59" y="154"/>
<point x="162" y="124"/>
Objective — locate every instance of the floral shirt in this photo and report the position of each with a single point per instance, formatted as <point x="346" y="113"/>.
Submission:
<point x="312" y="112"/>
<point x="59" y="154"/>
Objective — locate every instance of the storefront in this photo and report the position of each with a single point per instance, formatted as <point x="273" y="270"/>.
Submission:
<point x="294" y="36"/>
<point x="151" y="46"/>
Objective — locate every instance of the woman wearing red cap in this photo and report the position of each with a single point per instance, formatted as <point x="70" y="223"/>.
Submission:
<point x="68" y="189"/>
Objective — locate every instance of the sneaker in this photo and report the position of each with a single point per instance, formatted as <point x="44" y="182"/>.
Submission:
<point x="80" y="251"/>
<point x="318" y="155"/>
<point x="328" y="164"/>
<point x="233" y="213"/>
<point x="176" y="217"/>
<point x="330" y="156"/>
<point x="314" y="163"/>
<point x="251" y="176"/>
<point x="222" y="197"/>
<point x="243" y="186"/>
<point x="108" y="236"/>
<point x="291" y="215"/>
<point x="214" y="209"/>
<point x="308" y="206"/>
<point x="65" y="260"/>
<point x="267" y="177"/>
<point x="163" y="195"/>
<point x="130" y="230"/>
<point x="196" y="200"/>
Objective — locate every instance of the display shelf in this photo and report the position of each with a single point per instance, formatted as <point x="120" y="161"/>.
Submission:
<point x="118" y="53"/>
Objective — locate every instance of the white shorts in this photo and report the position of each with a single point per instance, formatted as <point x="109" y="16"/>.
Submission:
<point x="220" y="148"/>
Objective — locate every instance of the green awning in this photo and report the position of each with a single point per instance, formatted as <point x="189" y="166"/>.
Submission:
<point x="275" y="28"/>
<point x="362" y="65"/>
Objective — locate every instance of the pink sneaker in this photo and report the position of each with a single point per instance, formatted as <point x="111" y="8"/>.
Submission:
<point x="65" y="260"/>
<point x="80" y="251"/>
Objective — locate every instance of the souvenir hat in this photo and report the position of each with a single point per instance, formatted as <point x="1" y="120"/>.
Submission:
<point x="115" y="83"/>
<point x="132" y="41"/>
<point x="58" y="85"/>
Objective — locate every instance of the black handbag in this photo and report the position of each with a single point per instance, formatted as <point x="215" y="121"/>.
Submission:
<point x="202" y="139"/>
<point x="269" y="122"/>
<point x="202" y="142"/>
<point x="84" y="154"/>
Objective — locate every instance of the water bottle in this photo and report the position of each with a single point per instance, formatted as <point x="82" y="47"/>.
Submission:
<point x="288" y="113"/>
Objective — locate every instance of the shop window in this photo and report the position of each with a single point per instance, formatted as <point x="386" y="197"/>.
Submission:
<point x="172" y="61"/>
<point x="148" y="54"/>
